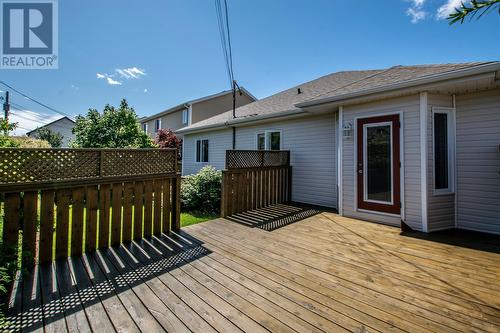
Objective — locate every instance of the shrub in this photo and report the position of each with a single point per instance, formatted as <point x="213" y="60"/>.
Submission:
<point x="22" y="142"/>
<point x="201" y="192"/>
<point x="55" y="139"/>
<point x="166" y="138"/>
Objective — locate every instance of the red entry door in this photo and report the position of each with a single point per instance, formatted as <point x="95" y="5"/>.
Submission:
<point x="378" y="164"/>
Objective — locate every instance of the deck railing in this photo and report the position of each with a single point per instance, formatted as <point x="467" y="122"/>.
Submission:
<point x="254" y="179"/>
<point x="62" y="202"/>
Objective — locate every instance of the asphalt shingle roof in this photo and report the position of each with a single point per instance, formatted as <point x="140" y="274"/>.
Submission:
<point x="335" y="84"/>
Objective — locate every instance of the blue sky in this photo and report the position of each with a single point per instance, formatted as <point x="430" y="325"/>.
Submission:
<point x="172" y="48"/>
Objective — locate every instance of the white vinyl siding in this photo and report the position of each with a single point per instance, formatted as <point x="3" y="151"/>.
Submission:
<point x="219" y="142"/>
<point x="408" y="108"/>
<point x="478" y="161"/>
<point x="440" y="208"/>
<point x="312" y="144"/>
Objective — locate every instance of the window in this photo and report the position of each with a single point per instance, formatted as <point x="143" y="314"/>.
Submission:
<point x="145" y="127"/>
<point x="261" y="141"/>
<point x="202" y="151"/>
<point x="157" y="125"/>
<point x="269" y="140"/>
<point x="443" y="145"/>
<point x="185" y="115"/>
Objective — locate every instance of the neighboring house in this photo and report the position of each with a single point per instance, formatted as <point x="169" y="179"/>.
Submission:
<point x="193" y="111"/>
<point x="63" y="125"/>
<point x="412" y="144"/>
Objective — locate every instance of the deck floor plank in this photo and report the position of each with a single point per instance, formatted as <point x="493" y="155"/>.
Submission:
<point x="324" y="273"/>
<point x="189" y="317"/>
<point x="199" y="302"/>
<point x="53" y="310"/>
<point x="141" y="315"/>
<point x="100" y="321"/>
<point x="151" y="301"/>
<point x="383" y="283"/>
<point x="111" y="303"/>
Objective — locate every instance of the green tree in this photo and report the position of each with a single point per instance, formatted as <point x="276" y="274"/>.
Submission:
<point x="475" y="7"/>
<point x="55" y="139"/>
<point x="114" y="128"/>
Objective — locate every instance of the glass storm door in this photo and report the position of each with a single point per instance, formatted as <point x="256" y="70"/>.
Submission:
<point x="379" y="164"/>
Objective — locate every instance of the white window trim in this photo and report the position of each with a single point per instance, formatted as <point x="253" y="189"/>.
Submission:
<point x="159" y="124"/>
<point x="266" y="138"/>
<point x="195" y="147"/>
<point x="450" y="112"/>
<point x="365" y="164"/>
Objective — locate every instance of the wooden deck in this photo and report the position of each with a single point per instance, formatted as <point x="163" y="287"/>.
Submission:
<point x="322" y="274"/>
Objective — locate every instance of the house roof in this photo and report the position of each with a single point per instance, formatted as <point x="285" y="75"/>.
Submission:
<point x="193" y="101"/>
<point x="330" y="87"/>
<point x="52" y="122"/>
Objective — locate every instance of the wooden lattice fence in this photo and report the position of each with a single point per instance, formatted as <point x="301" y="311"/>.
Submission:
<point x="254" y="179"/>
<point x="62" y="202"/>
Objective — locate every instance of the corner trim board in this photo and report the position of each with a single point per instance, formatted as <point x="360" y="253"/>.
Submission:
<point x="423" y="158"/>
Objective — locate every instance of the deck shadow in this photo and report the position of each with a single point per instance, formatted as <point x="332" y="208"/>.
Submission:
<point x="52" y="294"/>
<point x="461" y="238"/>
<point x="276" y="216"/>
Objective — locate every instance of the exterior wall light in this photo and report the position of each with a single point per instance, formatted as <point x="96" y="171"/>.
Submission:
<point x="347" y="130"/>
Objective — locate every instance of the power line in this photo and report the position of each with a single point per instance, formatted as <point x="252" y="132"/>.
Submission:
<point x="225" y="37"/>
<point x="229" y="42"/>
<point x="34" y="100"/>
<point x="23" y="116"/>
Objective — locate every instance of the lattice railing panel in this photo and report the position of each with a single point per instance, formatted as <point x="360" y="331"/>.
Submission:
<point x="32" y="165"/>
<point x="138" y="162"/>
<point x="238" y="159"/>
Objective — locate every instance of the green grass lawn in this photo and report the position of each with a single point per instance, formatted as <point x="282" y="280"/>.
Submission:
<point x="195" y="217"/>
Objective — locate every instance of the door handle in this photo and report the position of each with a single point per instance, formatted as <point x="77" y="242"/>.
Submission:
<point x="360" y="171"/>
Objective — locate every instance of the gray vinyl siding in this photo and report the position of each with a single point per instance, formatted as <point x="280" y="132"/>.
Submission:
<point x="312" y="144"/>
<point x="440" y="208"/>
<point x="218" y="142"/>
<point x="411" y="196"/>
<point x="478" y="161"/>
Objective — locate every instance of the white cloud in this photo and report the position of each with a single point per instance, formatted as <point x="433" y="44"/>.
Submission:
<point x="449" y="7"/>
<point x="145" y="90"/>
<point x="130" y="73"/>
<point x="416" y="11"/>
<point x="29" y="120"/>
<point x="416" y="15"/>
<point x="124" y="73"/>
<point x="113" y="82"/>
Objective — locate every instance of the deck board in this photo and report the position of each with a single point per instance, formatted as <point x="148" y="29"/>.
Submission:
<point x="325" y="273"/>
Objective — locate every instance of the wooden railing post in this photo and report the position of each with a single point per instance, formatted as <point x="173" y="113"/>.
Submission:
<point x="224" y="194"/>
<point x="176" y="203"/>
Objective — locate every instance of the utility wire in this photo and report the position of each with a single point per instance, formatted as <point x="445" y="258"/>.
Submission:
<point x="34" y="100"/>
<point x="225" y="37"/>
<point x="229" y="42"/>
